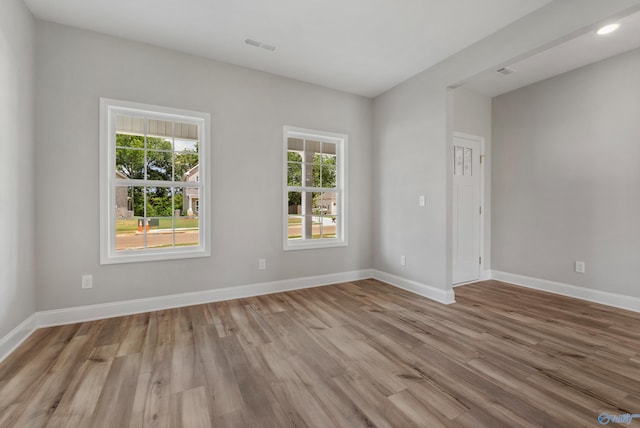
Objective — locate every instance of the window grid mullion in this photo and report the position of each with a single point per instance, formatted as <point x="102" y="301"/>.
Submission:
<point x="312" y="189"/>
<point x="157" y="183"/>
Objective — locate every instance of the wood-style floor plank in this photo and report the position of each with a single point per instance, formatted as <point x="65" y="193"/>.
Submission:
<point x="359" y="354"/>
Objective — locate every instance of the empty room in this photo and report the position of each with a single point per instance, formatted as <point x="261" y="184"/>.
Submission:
<point x="320" y="214"/>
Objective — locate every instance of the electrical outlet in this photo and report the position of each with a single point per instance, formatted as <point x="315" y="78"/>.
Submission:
<point x="580" y="267"/>
<point x="87" y="281"/>
<point x="262" y="264"/>
<point x="403" y="261"/>
<point x="422" y="201"/>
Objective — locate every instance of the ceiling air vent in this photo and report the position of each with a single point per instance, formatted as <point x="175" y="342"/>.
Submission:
<point x="260" y="45"/>
<point x="505" y="71"/>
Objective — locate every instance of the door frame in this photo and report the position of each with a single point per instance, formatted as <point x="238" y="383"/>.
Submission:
<point x="481" y="197"/>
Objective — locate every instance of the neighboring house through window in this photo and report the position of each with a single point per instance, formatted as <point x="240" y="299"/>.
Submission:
<point x="315" y="189"/>
<point x="191" y="201"/>
<point x="153" y="183"/>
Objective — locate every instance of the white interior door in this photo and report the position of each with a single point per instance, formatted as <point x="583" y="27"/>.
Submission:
<point x="466" y="210"/>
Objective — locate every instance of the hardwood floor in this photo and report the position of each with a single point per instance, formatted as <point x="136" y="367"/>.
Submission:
<point x="353" y="354"/>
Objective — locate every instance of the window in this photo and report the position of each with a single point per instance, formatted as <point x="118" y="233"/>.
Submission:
<point x="315" y="189"/>
<point x="153" y="175"/>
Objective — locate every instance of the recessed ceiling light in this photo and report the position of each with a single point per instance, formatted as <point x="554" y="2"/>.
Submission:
<point x="607" y="29"/>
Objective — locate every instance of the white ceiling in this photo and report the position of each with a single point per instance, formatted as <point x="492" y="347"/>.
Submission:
<point x="359" y="46"/>
<point x="582" y="50"/>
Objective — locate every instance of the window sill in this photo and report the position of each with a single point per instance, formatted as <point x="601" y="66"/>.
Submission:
<point x="313" y="245"/>
<point x="152" y="256"/>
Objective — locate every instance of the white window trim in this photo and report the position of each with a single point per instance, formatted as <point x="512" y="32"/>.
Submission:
<point x="341" y="141"/>
<point x="108" y="253"/>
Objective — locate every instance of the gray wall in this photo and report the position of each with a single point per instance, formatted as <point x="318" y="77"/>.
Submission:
<point x="472" y="116"/>
<point x="565" y="177"/>
<point x="74" y="68"/>
<point x="412" y="132"/>
<point x="248" y="109"/>
<point x="17" y="281"/>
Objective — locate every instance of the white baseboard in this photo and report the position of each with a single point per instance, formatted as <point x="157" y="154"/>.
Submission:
<point x="440" y="296"/>
<point x="603" y="297"/>
<point x="16" y="336"/>
<point x="461" y="284"/>
<point x="129" y="307"/>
